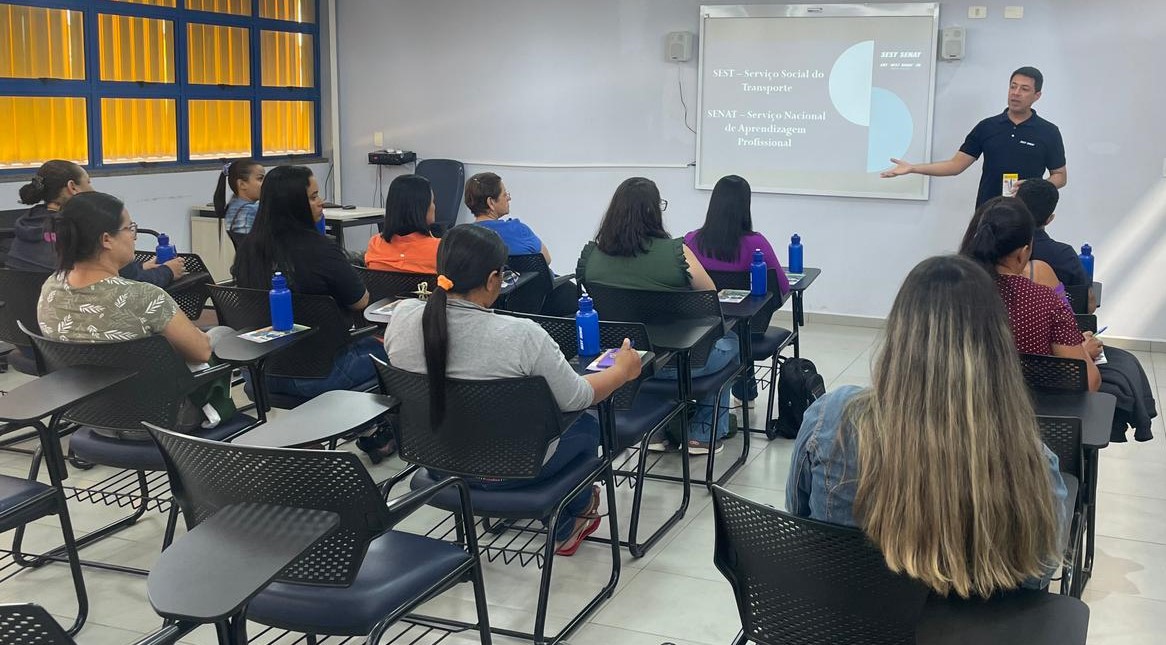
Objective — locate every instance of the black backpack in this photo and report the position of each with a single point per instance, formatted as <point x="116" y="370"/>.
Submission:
<point x="798" y="386"/>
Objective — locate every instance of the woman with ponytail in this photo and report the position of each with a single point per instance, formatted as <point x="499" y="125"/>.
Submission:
<point x="245" y="178"/>
<point x="1042" y="323"/>
<point x="442" y="337"/>
<point x="55" y="183"/>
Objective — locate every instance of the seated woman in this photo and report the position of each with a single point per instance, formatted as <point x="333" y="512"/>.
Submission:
<point x="633" y="251"/>
<point x="1044" y="324"/>
<point x="1041" y="322"/>
<point x="285" y="239"/>
<point x="487" y="198"/>
<point x="947" y="474"/>
<point x="1037" y="271"/>
<point x="87" y="301"/>
<point x="443" y="336"/>
<point x="55" y="183"/>
<point x="245" y="177"/>
<point x="727" y="240"/>
<point x="406" y="245"/>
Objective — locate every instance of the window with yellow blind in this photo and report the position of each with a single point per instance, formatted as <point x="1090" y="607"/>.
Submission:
<point x="175" y="81"/>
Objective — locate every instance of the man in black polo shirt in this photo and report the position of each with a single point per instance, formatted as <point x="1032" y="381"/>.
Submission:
<point x="1014" y="142"/>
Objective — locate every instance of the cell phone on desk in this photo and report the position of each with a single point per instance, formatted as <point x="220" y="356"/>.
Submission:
<point x="607" y="360"/>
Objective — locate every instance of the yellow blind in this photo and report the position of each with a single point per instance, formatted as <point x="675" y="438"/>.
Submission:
<point x="288" y="127"/>
<point x="220" y="129"/>
<point x="136" y="49"/>
<point x="294" y="10"/>
<point x="138" y="130"/>
<point x="155" y="3"/>
<point x="41" y="43"/>
<point x="236" y="7"/>
<point x="46" y="127"/>
<point x="218" y="55"/>
<point x="287" y="59"/>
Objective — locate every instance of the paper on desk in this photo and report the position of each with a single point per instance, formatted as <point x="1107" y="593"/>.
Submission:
<point x="1101" y="359"/>
<point x="268" y="334"/>
<point x="732" y="296"/>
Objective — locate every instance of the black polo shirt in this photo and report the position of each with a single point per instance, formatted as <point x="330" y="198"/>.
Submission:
<point x="1061" y="257"/>
<point x="1027" y="149"/>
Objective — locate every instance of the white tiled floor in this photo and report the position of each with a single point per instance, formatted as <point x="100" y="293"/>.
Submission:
<point x="674" y="593"/>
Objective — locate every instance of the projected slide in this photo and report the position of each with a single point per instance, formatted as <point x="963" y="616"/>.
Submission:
<point x="816" y="102"/>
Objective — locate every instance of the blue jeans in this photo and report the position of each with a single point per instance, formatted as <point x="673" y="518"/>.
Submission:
<point x="582" y="438"/>
<point x="726" y="351"/>
<point x="351" y="368"/>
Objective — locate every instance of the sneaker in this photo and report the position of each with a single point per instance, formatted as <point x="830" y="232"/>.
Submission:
<point x="702" y="448"/>
<point x="660" y="441"/>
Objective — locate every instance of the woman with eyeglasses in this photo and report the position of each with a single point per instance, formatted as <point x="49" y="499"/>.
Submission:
<point x="86" y="300"/>
<point x="632" y="250"/>
<point x="454" y="334"/>
<point x="55" y="183"/>
<point x="488" y="199"/>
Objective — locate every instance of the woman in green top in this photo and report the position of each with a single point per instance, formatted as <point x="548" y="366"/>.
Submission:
<point x="633" y="251"/>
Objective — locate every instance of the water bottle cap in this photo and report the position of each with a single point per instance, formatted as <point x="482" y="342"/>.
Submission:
<point x="163" y="239"/>
<point x="585" y="303"/>
<point x="796" y="239"/>
<point x="1086" y="249"/>
<point x="278" y="281"/>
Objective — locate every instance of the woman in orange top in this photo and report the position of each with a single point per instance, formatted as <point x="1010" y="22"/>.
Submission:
<point x="406" y="245"/>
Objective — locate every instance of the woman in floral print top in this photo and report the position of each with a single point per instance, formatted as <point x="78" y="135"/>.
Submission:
<point x="86" y="300"/>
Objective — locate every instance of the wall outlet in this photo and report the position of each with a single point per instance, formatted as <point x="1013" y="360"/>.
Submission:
<point x="1014" y="12"/>
<point x="978" y="11"/>
<point x="378" y="140"/>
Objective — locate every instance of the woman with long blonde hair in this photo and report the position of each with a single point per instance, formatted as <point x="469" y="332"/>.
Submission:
<point x="939" y="461"/>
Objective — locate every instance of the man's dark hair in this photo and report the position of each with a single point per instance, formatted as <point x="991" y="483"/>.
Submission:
<point x="1038" y="79"/>
<point x="1040" y="196"/>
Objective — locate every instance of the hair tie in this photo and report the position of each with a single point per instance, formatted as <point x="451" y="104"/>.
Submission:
<point x="227" y="167"/>
<point x="444" y="283"/>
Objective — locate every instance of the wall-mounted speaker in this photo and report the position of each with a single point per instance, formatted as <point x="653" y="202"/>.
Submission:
<point x="951" y="43"/>
<point x="679" y="48"/>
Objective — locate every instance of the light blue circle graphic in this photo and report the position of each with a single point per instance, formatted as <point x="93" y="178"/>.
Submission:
<point x="891" y="128"/>
<point x="850" y="82"/>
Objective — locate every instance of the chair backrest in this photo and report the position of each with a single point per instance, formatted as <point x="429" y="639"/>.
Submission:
<point x="155" y="394"/>
<point x="240" y="308"/>
<point x="532" y="295"/>
<point x="638" y="305"/>
<point x="1078" y="295"/>
<point x="1086" y="323"/>
<point x="801" y="581"/>
<point x="481" y="435"/>
<point x="611" y="334"/>
<point x="29" y="624"/>
<point x="447" y="178"/>
<point x="1052" y="373"/>
<point x="20" y="291"/>
<point x="189" y="292"/>
<point x="393" y="284"/>
<point x="8" y="230"/>
<point x="742" y="280"/>
<point x="1063" y="436"/>
<point x="206" y="475"/>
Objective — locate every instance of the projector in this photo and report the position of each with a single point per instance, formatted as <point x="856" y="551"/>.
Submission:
<point x="391" y="157"/>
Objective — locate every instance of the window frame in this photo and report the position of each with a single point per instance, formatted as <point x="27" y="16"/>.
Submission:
<point x="93" y="89"/>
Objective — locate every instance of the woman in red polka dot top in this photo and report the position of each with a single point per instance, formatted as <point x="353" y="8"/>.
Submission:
<point x="1041" y="322"/>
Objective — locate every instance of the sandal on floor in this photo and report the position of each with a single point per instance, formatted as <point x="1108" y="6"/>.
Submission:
<point x="571" y="544"/>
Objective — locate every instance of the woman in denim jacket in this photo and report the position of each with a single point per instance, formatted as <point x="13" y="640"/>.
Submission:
<point x="940" y="461"/>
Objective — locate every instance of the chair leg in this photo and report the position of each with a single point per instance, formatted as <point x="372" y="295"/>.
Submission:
<point x="480" y="602"/>
<point x="740" y="639"/>
<point x="766" y="426"/>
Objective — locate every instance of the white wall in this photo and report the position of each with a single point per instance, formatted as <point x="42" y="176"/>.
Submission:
<point x="586" y="82"/>
<point x="163" y="201"/>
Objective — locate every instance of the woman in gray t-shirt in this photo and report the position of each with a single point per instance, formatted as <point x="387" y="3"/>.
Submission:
<point x="470" y="260"/>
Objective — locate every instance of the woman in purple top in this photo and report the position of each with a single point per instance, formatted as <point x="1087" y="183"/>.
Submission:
<point x="727" y="240"/>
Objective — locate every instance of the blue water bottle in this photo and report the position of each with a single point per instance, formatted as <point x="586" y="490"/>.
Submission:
<point x="321" y="226"/>
<point x="587" y="327"/>
<point x="281" y="303"/>
<point x="795" y="254"/>
<point x="1087" y="260"/>
<point x="758" y="277"/>
<point x="165" y="251"/>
